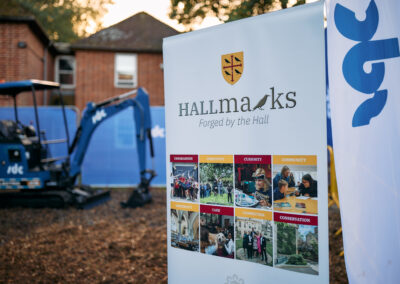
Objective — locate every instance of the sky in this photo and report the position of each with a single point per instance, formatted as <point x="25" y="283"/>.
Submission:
<point x="122" y="9"/>
<point x="305" y="229"/>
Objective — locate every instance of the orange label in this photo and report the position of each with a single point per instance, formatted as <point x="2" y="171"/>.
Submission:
<point x="249" y="213"/>
<point x="185" y="206"/>
<point x="216" y="159"/>
<point x="310" y="160"/>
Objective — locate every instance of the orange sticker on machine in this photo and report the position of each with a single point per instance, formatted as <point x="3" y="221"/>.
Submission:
<point x="310" y="160"/>
<point x="249" y="213"/>
<point x="185" y="206"/>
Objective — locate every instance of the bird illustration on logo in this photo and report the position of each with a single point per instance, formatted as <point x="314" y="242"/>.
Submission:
<point x="261" y="103"/>
<point x="232" y="67"/>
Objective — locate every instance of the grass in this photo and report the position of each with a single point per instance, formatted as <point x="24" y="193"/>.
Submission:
<point x="218" y="199"/>
<point x="239" y="243"/>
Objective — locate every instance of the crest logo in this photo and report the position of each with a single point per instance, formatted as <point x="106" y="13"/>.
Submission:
<point x="232" y="67"/>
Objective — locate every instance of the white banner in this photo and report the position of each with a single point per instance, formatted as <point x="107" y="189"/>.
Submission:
<point x="364" y="73"/>
<point x="246" y="151"/>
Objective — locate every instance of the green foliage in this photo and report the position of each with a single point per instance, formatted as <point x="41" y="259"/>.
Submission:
<point x="314" y="251"/>
<point x="269" y="248"/>
<point x="286" y="236"/>
<point x="190" y="12"/>
<point x="212" y="172"/>
<point x="296" y="259"/>
<point x="63" y="20"/>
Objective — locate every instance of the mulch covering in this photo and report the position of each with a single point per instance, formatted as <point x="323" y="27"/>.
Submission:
<point x="103" y="245"/>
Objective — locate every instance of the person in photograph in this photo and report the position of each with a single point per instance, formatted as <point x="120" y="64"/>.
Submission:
<point x="281" y="191"/>
<point x="230" y="246"/>
<point x="215" y="188"/>
<point x="245" y="242"/>
<point x="255" y="245"/>
<point x="308" y="186"/>
<point x="258" y="244"/>
<point x="263" y="246"/>
<point x="252" y="232"/>
<point x="204" y="235"/>
<point x="208" y="190"/>
<point x="176" y="188"/>
<point x="250" y="246"/>
<point x="263" y="188"/>
<point x="230" y="188"/>
<point x="220" y="184"/>
<point x="285" y="175"/>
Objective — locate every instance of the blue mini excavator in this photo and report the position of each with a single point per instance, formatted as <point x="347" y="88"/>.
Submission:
<point x="30" y="176"/>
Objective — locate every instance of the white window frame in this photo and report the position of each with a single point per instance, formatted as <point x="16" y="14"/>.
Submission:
<point x="57" y="71"/>
<point x="135" y="72"/>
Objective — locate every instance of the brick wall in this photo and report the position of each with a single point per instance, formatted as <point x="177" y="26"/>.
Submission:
<point x="22" y="63"/>
<point x="151" y="77"/>
<point x="95" y="77"/>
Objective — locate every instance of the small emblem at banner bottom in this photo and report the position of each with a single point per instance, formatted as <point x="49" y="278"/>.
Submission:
<point x="234" y="279"/>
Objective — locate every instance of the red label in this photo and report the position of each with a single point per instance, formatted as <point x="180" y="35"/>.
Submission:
<point x="216" y="210"/>
<point x="296" y="219"/>
<point x="252" y="159"/>
<point x="184" y="158"/>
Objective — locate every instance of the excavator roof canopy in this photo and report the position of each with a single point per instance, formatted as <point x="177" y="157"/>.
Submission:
<point x="16" y="87"/>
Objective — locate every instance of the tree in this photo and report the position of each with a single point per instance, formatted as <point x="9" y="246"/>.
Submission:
<point x="63" y="20"/>
<point x="212" y="172"/>
<point x="191" y="12"/>
<point x="286" y="236"/>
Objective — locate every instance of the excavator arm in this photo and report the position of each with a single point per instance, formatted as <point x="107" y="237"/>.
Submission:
<point x="94" y="115"/>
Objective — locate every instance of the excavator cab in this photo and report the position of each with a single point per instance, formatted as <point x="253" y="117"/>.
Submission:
<point x="30" y="176"/>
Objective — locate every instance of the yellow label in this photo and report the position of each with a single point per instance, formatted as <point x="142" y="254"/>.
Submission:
<point x="232" y="67"/>
<point x="310" y="160"/>
<point x="216" y="159"/>
<point x="249" y="213"/>
<point x="185" y="206"/>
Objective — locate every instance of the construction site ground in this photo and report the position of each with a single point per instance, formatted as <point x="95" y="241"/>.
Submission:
<point x="105" y="244"/>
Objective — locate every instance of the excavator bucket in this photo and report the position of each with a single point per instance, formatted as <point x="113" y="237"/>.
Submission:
<point x="140" y="195"/>
<point x="86" y="197"/>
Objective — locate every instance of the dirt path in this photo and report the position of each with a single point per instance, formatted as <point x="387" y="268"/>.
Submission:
<point x="103" y="245"/>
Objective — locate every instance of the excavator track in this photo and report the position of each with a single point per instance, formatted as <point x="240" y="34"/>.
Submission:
<point x="37" y="199"/>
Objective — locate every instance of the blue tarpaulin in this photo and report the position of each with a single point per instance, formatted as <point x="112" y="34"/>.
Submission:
<point x="111" y="159"/>
<point x="50" y="120"/>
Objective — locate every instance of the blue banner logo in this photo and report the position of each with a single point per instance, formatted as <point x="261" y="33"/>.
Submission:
<point x="365" y="50"/>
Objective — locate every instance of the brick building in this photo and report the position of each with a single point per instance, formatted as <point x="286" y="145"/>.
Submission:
<point x="110" y="62"/>
<point x="25" y="53"/>
<point x="121" y="57"/>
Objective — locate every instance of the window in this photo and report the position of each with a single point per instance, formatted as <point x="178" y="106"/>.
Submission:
<point x="65" y="71"/>
<point x="125" y="70"/>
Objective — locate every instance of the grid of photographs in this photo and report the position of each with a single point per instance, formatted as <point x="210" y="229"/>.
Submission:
<point x="256" y="208"/>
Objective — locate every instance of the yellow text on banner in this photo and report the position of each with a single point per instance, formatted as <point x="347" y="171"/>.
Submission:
<point x="216" y="159"/>
<point x="310" y="160"/>
<point x="185" y="206"/>
<point x="249" y="213"/>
